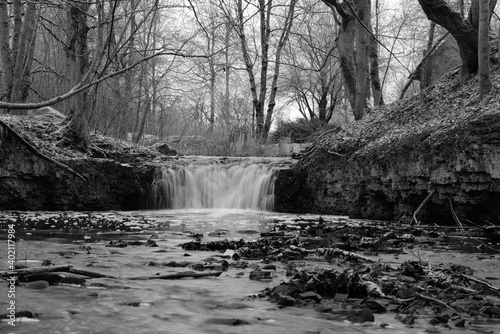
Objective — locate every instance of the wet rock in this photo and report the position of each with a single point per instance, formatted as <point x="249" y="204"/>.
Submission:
<point x="119" y="244"/>
<point x="74" y="281"/>
<point x="227" y="321"/>
<point x="310" y="295"/>
<point x="37" y="285"/>
<point x="260" y="275"/>
<point x="359" y="317"/>
<point x="286" y="301"/>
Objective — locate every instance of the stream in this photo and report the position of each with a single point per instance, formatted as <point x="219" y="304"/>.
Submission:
<point x="225" y="304"/>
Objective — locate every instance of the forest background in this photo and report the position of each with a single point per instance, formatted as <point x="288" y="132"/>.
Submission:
<point x="228" y="72"/>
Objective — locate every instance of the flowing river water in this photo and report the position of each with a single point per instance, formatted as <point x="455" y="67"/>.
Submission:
<point x="224" y="304"/>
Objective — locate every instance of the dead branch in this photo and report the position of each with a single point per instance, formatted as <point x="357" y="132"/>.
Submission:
<point x="439" y="302"/>
<point x="184" y="274"/>
<point x="483" y="283"/>
<point x="34" y="270"/>
<point x="421" y="206"/>
<point x="62" y="268"/>
<point x="91" y="274"/>
<point x="33" y="149"/>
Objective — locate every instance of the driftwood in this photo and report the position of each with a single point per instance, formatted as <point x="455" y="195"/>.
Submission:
<point x="49" y="269"/>
<point x="37" y="152"/>
<point x="483" y="283"/>
<point x="184" y="274"/>
<point x="70" y="269"/>
<point x="440" y="303"/>
<point x="34" y="270"/>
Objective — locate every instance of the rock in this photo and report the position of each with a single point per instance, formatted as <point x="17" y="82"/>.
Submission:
<point x="165" y="150"/>
<point x="310" y="295"/>
<point x="286" y="301"/>
<point x="37" y="285"/>
<point x="260" y="275"/>
<point x="359" y="317"/>
<point x="227" y="321"/>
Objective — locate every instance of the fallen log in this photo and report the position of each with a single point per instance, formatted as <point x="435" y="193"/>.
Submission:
<point x="49" y="269"/>
<point x="34" y="270"/>
<point x="179" y="275"/>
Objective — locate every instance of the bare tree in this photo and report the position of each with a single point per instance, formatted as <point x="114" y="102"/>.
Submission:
<point x="17" y="48"/>
<point x="259" y="90"/>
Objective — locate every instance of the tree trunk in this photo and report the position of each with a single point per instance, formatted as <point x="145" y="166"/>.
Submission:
<point x="484" y="49"/>
<point x="345" y="45"/>
<point x="361" y="59"/>
<point x="6" y="51"/>
<point x="248" y="62"/>
<point x="21" y="76"/>
<point x="274" y="85"/>
<point x="426" y="71"/>
<point x="378" y="98"/>
<point x="77" y="55"/>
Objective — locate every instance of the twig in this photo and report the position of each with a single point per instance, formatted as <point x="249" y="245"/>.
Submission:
<point x="421" y="206"/>
<point x="38" y="153"/>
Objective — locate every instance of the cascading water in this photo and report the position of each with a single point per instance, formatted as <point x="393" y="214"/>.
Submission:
<point x="237" y="186"/>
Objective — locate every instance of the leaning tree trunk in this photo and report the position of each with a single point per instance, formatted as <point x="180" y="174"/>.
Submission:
<point x="77" y="55"/>
<point x="464" y="31"/>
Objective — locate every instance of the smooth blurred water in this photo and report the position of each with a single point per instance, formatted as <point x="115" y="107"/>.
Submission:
<point x="230" y="186"/>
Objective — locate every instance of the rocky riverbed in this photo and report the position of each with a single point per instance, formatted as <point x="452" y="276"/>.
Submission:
<point x="206" y="272"/>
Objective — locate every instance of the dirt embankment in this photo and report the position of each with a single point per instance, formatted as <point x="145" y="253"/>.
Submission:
<point x="444" y="142"/>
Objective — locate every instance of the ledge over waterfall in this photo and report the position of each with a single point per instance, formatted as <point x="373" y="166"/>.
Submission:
<point x="444" y="142"/>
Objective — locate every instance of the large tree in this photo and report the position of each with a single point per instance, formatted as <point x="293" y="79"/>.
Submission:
<point x="464" y="30"/>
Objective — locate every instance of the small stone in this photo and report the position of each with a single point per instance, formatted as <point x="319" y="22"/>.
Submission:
<point x="460" y="323"/>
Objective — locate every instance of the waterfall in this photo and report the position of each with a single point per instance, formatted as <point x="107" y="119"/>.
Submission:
<point x="236" y="186"/>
